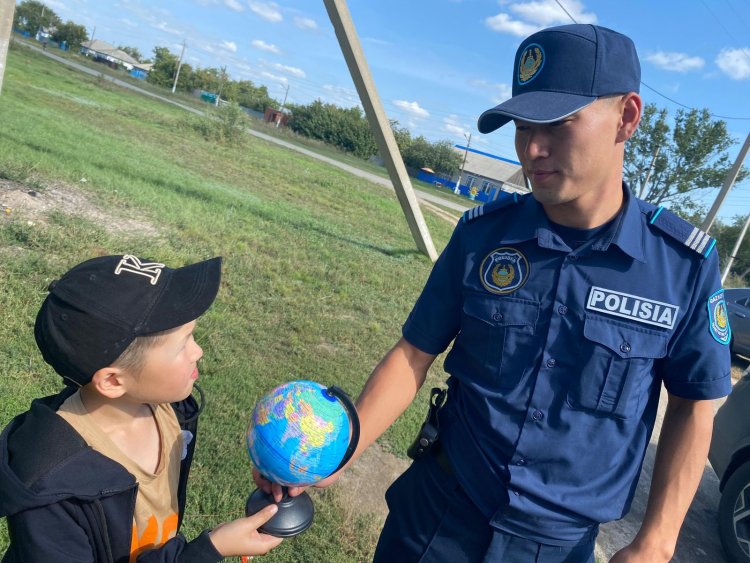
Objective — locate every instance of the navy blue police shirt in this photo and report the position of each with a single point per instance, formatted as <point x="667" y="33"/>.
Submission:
<point x="559" y="356"/>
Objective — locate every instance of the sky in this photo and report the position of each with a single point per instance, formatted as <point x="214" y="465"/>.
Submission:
<point x="438" y="64"/>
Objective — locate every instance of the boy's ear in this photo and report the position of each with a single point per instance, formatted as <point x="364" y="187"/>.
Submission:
<point x="109" y="382"/>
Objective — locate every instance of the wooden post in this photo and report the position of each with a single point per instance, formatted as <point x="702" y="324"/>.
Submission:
<point x="341" y="19"/>
<point x="7" y="7"/>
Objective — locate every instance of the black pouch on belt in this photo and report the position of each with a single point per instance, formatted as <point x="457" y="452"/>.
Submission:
<point x="429" y="432"/>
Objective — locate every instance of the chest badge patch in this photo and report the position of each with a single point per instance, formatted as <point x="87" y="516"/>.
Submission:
<point x="632" y="307"/>
<point x="504" y="270"/>
<point x="717" y="317"/>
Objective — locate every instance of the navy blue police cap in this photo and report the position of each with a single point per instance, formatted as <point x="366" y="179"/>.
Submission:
<point x="560" y="70"/>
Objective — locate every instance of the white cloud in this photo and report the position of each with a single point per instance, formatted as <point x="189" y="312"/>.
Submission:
<point x="411" y="108"/>
<point x="498" y="92"/>
<point x="504" y="24"/>
<point x="735" y="63"/>
<point x="275" y="77"/>
<point x="451" y="125"/>
<point x="341" y="96"/>
<point x="548" y="12"/>
<point x="234" y="5"/>
<point x="675" y="62"/>
<point x="229" y="46"/>
<point x="305" y="23"/>
<point x="268" y="11"/>
<point x="164" y="26"/>
<point x="537" y="14"/>
<point x="127" y="22"/>
<point x="263" y="46"/>
<point x="294" y="71"/>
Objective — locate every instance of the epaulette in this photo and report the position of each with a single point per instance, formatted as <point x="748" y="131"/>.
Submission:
<point x="678" y="228"/>
<point x="504" y="200"/>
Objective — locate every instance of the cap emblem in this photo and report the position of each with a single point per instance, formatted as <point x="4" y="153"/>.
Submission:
<point x="531" y="62"/>
<point x="132" y="264"/>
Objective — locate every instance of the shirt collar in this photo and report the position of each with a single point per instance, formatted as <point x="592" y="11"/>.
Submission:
<point x="627" y="234"/>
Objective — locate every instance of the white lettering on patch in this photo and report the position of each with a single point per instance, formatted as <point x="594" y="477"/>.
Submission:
<point x="632" y="307"/>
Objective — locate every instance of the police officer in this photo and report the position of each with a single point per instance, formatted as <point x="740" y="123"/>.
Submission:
<point x="568" y="308"/>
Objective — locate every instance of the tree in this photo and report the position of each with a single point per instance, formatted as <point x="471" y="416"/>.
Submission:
<point x="255" y="97"/>
<point x="691" y="156"/>
<point x="132" y="51"/>
<point x="33" y="16"/>
<point x="71" y="33"/>
<point x="164" y="68"/>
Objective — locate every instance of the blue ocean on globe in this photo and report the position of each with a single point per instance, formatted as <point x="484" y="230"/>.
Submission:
<point x="298" y="434"/>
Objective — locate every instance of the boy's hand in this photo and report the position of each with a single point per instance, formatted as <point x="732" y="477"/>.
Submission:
<point x="241" y="537"/>
<point x="276" y="490"/>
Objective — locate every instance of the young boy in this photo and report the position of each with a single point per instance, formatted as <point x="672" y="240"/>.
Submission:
<point x="99" y="471"/>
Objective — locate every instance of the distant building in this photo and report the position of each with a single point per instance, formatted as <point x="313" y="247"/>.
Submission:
<point x="103" y="52"/>
<point x="489" y="173"/>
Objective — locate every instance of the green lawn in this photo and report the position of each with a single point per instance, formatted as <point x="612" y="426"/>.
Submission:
<point x="320" y="270"/>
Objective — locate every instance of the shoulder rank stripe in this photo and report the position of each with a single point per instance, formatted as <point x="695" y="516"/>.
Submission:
<point x="678" y="228"/>
<point x="503" y="200"/>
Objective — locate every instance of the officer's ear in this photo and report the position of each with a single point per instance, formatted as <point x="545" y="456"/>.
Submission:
<point x="630" y="107"/>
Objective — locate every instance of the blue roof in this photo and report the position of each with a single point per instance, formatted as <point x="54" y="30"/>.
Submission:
<point x="487" y="154"/>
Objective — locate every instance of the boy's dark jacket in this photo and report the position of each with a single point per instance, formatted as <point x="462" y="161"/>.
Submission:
<point x="66" y="502"/>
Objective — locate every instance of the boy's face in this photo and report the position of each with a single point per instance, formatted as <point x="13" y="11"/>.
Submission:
<point x="170" y="369"/>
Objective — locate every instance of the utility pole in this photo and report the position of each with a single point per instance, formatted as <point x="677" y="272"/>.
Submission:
<point x="338" y="12"/>
<point x="457" y="189"/>
<point x="648" y="174"/>
<point x="7" y="7"/>
<point x="91" y="40"/>
<point x="221" y="84"/>
<point x="179" y="66"/>
<point x="728" y="182"/>
<point x="735" y="250"/>
<point x="278" y="119"/>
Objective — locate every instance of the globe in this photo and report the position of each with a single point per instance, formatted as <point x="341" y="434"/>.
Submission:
<point x="299" y="433"/>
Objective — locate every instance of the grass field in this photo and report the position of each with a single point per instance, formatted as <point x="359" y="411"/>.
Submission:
<point x="320" y="269"/>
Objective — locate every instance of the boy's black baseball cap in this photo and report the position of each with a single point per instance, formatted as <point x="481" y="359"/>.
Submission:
<point x="99" y="307"/>
<point x="560" y="70"/>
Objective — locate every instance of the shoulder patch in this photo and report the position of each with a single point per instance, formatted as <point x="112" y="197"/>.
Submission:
<point x="501" y="202"/>
<point x="679" y="229"/>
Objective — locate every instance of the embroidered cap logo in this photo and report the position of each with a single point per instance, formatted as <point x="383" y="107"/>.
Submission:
<point x="531" y="62"/>
<point x="132" y="264"/>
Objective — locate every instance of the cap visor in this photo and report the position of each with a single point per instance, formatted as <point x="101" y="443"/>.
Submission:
<point x="191" y="291"/>
<point x="534" y="107"/>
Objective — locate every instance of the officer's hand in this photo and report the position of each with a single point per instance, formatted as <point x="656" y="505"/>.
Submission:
<point x="276" y="490"/>
<point x="634" y="554"/>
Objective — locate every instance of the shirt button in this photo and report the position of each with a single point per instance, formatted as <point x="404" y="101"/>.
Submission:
<point x="521" y="462"/>
<point x="552" y="362"/>
<point x="625" y="347"/>
<point x="537" y="415"/>
<point x="562" y="309"/>
<point x="497" y="317"/>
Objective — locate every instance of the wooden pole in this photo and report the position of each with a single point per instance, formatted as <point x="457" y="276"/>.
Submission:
<point x="341" y="19"/>
<point x="7" y="7"/>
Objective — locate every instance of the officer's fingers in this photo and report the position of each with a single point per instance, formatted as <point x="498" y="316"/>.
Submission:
<point x="294" y="491"/>
<point x="261" y="482"/>
<point x="277" y="491"/>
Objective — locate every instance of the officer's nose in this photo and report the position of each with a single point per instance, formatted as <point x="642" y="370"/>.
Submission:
<point x="535" y="143"/>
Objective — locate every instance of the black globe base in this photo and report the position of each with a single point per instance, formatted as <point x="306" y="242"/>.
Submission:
<point x="295" y="514"/>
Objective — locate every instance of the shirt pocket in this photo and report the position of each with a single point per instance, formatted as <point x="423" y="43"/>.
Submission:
<point x="617" y="362"/>
<point x="494" y="332"/>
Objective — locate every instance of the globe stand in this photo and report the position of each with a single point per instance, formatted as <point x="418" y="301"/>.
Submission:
<point x="294" y="516"/>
